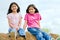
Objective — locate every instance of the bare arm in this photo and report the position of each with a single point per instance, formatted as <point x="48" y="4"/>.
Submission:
<point x="19" y="24"/>
<point x="39" y="23"/>
<point x="25" y="25"/>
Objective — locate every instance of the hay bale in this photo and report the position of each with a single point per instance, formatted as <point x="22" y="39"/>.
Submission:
<point x="4" y="36"/>
<point x="19" y="37"/>
<point x="29" y="36"/>
<point x="12" y="36"/>
<point x="55" y="36"/>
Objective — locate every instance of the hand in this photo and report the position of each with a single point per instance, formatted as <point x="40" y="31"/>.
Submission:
<point x="17" y="28"/>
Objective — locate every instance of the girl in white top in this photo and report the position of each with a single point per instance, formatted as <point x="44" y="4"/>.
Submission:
<point x="14" y="17"/>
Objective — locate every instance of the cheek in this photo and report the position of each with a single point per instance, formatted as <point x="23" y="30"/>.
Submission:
<point x="11" y="8"/>
<point x="14" y="8"/>
<point x="32" y="11"/>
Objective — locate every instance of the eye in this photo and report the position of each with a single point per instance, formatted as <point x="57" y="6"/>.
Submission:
<point x="14" y="5"/>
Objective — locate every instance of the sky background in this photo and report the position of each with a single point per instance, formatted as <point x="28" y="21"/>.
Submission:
<point x="49" y="10"/>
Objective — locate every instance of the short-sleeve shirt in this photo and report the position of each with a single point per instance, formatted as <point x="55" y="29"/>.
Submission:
<point x="14" y="18"/>
<point x="32" y="19"/>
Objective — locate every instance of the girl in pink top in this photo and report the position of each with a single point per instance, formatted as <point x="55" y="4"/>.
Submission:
<point x="32" y="19"/>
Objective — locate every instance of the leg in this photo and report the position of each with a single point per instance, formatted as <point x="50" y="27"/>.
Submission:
<point x="21" y="32"/>
<point x="33" y="31"/>
<point x="12" y="33"/>
<point x="12" y="30"/>
<point x="46" y="36"/>
<point x="39" y="36"/>
<point x="36" y="33"/>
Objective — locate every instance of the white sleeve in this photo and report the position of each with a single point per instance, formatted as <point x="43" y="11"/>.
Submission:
<point x="20" y="15"/>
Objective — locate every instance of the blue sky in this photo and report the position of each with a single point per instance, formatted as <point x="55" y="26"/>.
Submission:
<point x="49" y="10"/>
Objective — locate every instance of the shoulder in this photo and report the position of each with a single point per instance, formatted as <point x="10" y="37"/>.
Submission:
<point x="38" y="14"/>
<point x="26" y="14"/>
<point x="9" y="15"/>
<point x="20" y="15"/>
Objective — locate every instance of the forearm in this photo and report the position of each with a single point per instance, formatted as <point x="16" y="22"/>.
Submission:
<point x="39" y="23"/>
<point x="14" y="26"/>
<point x="11" y="25"/>
<point x="19" y="24"/>
<point x="24" y="26"/>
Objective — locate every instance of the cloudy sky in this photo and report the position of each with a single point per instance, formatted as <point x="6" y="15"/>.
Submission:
<point x="49" y="10"/>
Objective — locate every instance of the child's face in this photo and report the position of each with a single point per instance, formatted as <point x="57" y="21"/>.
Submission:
<point x="14" y="8"/>
<point x="31" y="10"/>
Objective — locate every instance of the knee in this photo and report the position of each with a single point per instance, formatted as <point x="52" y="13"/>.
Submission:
<point x="47" y="36"/>
<point x="21" y="32"/>
<point x="39" y="35"/>
<point x="12" y="30"/>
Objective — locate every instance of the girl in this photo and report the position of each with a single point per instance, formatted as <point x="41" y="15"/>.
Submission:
<point x="32" y="19"/>
<point x="14" y="18"/>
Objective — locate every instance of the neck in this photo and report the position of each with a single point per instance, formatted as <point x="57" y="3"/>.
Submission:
<point x="14" y="12"/>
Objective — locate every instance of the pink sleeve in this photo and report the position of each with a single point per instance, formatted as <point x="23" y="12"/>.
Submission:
<point x="39" y="17"/>
<point x="25" y="18"/>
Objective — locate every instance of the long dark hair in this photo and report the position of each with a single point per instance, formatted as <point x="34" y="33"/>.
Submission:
<point x="10" y="11"/>
<point x="32" y="5"/>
